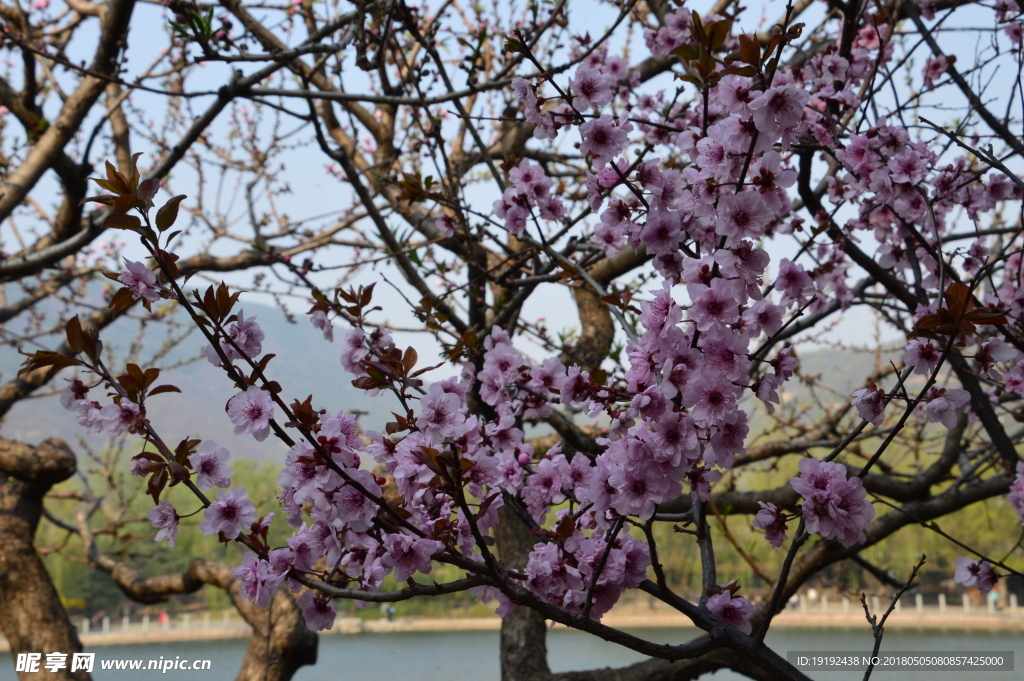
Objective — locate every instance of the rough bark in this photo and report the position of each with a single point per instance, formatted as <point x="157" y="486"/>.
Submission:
<point x="280" y="641"/>
<point x="524" y="652"/>
<point x="31" y="615"/>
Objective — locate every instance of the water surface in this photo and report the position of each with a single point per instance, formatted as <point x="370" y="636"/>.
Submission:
<point x="473" y="655"/>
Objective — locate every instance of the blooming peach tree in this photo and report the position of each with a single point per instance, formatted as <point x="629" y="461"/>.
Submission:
<point x="770" y="186"/>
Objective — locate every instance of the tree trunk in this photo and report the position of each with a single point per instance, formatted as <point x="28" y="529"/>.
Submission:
<point x="524" y="653"/>
<point x="31" y="615"/>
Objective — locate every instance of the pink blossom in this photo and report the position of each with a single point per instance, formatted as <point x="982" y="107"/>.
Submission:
<point x="603" y="139"/>
<point x="246" y="340"/>
<point x="639" y="490"/>
<point x="763" y="316"/>
<point x="908" y="167"/>
<point x="72" y="397"/>
<point x="975" y="573"/>
<point x="701" y="480"/>
<point x="734" y="611"/>
<point x="317" y="610"/>
<point x="355" y="508"/>
<point x="254" y="580"/>
<point x="715" y="306"/>
<point x="141" y="280"/>
<point x="320" y="321"/>
<point x="772" y="520"/>
<point x="735" y="94"/>
<point x="794" y="281"/>
<point x="870" y="404"/>
<point x="440" y="413"/>
<point x="231" y="513"/>
<point x="779" y="108"/>
<point x="1015" y="31"/>
<point x="210" y="467"/>
<point x="933" y="69"/>
<point x="710" y="398"/>
<point x="662" y="232"/>
<point x="742" y="216"/>
<point x="591" y="88"/>
<point x="990" y="353"/>
<point x="923" y="354"/>
<point x="544" y="487"/>
<point x="251" y="412"/>
<point x="943" y="404"/>
<point x="354" y="351"/>
<point x="409" y="555"/>
<point x="834" y="506"/>
<point x="609" y="237"/>
<point x="527" y="94"/>
<point x="117" y="418"/>
<point x="90" y="416"/>
<point x="727" y="440"/>
<point x="139" y="466"/>
<point x="164" y="519"/>
<point x="1016" y="495"/>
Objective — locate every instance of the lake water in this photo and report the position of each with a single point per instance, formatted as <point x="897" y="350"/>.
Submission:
<point x="473" y="656"/>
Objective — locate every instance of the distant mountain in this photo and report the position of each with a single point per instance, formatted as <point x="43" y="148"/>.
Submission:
<point x="305" y="364"/>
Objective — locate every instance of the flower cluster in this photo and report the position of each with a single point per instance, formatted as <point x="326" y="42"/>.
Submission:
<point x="707" y="344"/>
<point x="834" y="505"/>
<point x="978" y="574"/>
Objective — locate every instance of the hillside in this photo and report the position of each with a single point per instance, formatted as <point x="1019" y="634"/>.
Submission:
<point x="305" y="364"/>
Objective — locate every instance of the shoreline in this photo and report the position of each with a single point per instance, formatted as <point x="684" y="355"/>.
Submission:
<point x="932" y="620"/>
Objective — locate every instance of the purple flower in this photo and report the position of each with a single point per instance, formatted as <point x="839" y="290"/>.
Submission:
<point x="765" y="316"/>
<point x="317" y="609"/>
<point x="164" y="519"/>
<point x="793" y="280"/>
<point x="591" y="88"/>
<point x="922" y="354"/>
<point x="716" y="306"/>
<point x="440" y="413"/>
<point x="734" y="611"/>
<point x="408" y="555"/>
<point x="254" y="580"/>
<point x="1016" y="495"/>
<point x="245" y="334"/>
<point x="141" y="280"/>
<point x="231" y="513"/>
<point x="118" y="418"/>
<point x="834" y="506"/>
<point x="544" y="487"/>
<point x="251" y="412"/>
<point x="943" y="404"/>
<point x="71" y="398"/>
<point x="603" y="140"/>
<point x="977" y="573"/>
<point x="354" y="351"/>
<point x="773" y="521"/>
<point x="711" y="397"/>
<point x="742" y="216"/>
<point x="352" y="506"/>
<point x="320" y="321"/>
<point x="870" y="403"/>
<point x="209" y="464"/>
<point x="701" y="480"/>
<point x="779" y="108"/>
<point x="90" y="416"/>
